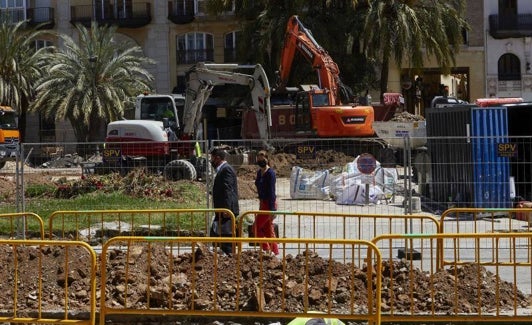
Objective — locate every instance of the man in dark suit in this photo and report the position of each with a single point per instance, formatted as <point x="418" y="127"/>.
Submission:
<point x="224" y="195"/>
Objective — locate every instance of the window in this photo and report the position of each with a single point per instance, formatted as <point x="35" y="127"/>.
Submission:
<point x="230" y="48"/>
<point x="13" y="10"/>
<point x="183" y="8"/>
<point x="201" y="7"/>
<point x="507" y="6"/>
<point x="509" y="67"/>
<point x="40" y="43"/>
<point x="195" y="47"/>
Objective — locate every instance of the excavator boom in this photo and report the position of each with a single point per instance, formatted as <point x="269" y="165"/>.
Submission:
<point x="203" y="77"/>
<point x="299" y="39"/>
<point x="324" y="110"/>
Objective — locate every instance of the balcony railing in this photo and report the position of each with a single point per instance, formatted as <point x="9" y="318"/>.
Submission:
<point x="42" y="17"/>
<point x="132" y="16"/>
<point x="193" y="56"/>
<point x="506" y="26"/>
<point x="181" y="12"/>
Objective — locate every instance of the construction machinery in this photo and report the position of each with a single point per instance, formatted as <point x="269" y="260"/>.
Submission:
<point x="9" y="135"/>
<point x="203" y="77"/>
<point x="157" y="136"/>
<point x="325" y="109"/>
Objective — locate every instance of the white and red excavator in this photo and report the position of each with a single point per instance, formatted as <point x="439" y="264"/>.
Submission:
<point x="161" y="124"/>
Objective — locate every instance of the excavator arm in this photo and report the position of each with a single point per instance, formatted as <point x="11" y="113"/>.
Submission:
<point x="203" y="77"/>
<point x="299" y="38"/>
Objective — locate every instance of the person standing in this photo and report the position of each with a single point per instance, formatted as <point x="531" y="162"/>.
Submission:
<point x="224" y="195"/>
<point x="265" y="183"/>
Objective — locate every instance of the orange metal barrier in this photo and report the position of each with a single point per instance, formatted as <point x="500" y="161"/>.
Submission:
<point x="21" y="225"/>
<point x="292" y="224"/>
<point x="469" y="288"/>
<point x="189" y="276"/>
<point x="29" y="295"/>
<point x="98" y="225"/>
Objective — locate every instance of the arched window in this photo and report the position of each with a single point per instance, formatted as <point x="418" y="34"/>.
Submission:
<point x="509" y="67"/>
<point x="195" y="47"/>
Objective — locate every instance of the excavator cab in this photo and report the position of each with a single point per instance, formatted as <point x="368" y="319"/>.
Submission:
<point x="316" y="117"/>
<point x="303" y="119"/>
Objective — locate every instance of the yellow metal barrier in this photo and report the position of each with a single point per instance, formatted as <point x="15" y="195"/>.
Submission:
<point x="19" y="225"/>
<point x="479" y="220"/>
<point x="98" y="225"/>
<point x="196" y="280"/>
<point x="292" y="224"/>
<point x="29" y="294"/>
<point x="470" y="288"/>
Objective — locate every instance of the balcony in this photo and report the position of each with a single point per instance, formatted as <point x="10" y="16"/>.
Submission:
<point x="508" y="26"/>
<point x="181" y="12"/>
<point x="41" y="17"/>
<point x="132" y="16"/>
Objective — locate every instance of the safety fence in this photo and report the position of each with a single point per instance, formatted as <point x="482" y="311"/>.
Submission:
<point x="295" y="224"/>
<point x="182" y="276"/>
<point x="34" y="273"/>
<point x="470" y="288"/>
<point x="21" y="225"/>
<point x="251" y="284"/>
<point x="401" y="173"/>
<point x="96" y="226"/>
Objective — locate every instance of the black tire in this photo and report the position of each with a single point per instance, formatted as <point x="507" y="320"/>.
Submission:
<point x="180" y="170"/>
<point x="202" y="166"/>
<point x="2" y="164"/>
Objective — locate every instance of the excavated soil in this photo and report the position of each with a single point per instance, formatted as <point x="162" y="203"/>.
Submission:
<point x="151" y="273"/>
<point x="58" y="275"/>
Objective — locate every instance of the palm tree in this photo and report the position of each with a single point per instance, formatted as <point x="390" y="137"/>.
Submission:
<point x="19" y="66"/>
<point x="412" y="31"/>
<point x="89" y="81"/>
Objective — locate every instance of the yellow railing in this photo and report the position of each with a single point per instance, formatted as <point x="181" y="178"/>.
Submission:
<point x="19" y="224"/>
<point x="294" y="224"/>
<point x="37" y="259"/>
<point x="97" y="225"/>
<point x="478" y="220"/>
<point x="469" y="288"/>
<point x="254" y="283"/>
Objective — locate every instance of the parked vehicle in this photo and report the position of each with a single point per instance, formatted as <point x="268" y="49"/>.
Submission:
<point x="9" y="135"/>
<point x="161" y="136"/>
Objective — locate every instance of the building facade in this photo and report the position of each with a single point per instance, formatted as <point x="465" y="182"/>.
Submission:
<point x="508" y="48"/>
<point x="493" y="61"/>
<point x="174" y="33"/>
<point x="467" y="78"/>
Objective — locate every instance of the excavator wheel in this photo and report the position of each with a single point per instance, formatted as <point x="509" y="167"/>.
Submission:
<point x="180" y="170"/>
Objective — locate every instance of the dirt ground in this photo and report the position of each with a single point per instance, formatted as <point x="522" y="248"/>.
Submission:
<point x="148" y="280"/>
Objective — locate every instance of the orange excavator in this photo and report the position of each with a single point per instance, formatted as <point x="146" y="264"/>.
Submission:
<point x="324" y="110"/>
